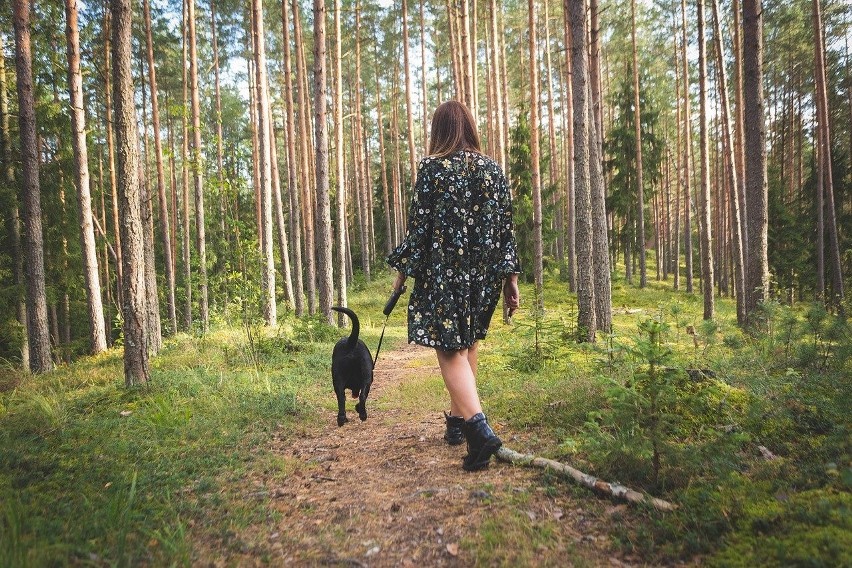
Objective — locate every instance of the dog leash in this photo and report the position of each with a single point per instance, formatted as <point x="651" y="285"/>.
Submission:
<point x="387" y="311"/>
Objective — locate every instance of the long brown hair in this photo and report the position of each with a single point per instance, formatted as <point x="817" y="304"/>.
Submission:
<point x="453" y="129"/>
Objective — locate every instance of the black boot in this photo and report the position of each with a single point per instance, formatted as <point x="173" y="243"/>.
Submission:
<point x="482" y="443"/>
<point x="454" y="435"/>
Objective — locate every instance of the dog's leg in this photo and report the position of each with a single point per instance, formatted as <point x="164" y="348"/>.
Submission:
<point x="341" y="407"/>
<point x="361" y="407"/>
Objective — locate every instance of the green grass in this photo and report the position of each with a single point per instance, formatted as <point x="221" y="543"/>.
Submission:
<point x="93" y="473"/>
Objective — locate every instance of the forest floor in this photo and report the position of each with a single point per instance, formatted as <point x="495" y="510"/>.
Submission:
<point x="390" y="492"/>
<point x="231" y="455"/>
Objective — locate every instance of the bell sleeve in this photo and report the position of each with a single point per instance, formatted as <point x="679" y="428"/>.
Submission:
<point x="508" y="262"/>
<point x="411" y="255"/>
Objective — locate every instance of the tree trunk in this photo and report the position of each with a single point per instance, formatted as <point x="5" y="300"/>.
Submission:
<point x="197" y="169"/>
<point x="308" y="199"/>
<point x="292" y="167"/>
<point x="390" y="230"/>
<point x="14" y="220"/>
<point x="824" y="144"/>
<point x="500" y="150"/>
<point x="731" y="169"/>
<point x="600" y="237"/>
<point x="423" y="70"/>
<point x="704" y="143"/>
<point x="409" y="113"/>
<point x="338" y="155"/>
<point x="134" y="309"/>
<point x="586" y="320"/>
<point x="152" y="301"/>
<point x="538" y="270"/>
<point x="278" y="202"/>
<point x="739" y="129"/>
<point x="111" y="149"/>
<point x="270" y="310"/>
<point x="570" y="193"/>
<point x="468" y="59"/>
<point x="325" y="277"/>
<point x="637" y="125"/>
<point x="161" y="184"/>
<point x="687" y="153"/>
<point x="185" y="233"/>
<point x="220" y="173"/>
<point x="757" y="278"/>
<point x="97" y="336"/>
<point x="37" y="326"/>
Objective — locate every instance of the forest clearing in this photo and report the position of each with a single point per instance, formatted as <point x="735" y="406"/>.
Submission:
<point x="189" y="188"/>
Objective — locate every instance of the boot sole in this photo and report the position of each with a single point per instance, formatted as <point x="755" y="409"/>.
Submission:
<point x="484" y="457"/>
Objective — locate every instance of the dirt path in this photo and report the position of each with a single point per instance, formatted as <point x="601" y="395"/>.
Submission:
<point x="391" y="492"/>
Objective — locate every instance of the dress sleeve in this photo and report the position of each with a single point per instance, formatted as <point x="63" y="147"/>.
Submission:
<point x="411" y="254"/>
<point x="509" y="263"/>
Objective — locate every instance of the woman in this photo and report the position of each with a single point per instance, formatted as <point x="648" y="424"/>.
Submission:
<point x="460" y="250"/>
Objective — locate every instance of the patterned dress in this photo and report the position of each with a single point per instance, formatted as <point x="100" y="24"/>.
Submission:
<point x="458" y="248"/>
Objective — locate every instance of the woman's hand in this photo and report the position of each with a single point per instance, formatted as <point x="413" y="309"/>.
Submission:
<point x="511" y="295"/>
<point x="399" y="281"/>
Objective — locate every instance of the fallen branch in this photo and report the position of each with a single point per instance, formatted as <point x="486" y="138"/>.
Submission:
<point x="584" y="479"/>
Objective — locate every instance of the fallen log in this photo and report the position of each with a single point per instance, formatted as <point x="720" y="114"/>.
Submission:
<point x="584" y="479"/>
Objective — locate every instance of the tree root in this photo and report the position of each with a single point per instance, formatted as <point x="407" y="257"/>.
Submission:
<point x="584" y="479"/>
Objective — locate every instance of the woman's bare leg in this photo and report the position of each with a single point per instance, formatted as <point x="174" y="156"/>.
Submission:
<point x="460" y="381"/>
<point x="472" y="359"/>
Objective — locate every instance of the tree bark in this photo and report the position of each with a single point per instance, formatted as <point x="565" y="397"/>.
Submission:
<point x="637" y="125"/>
<point x="338" y="154"/>
<point x="757" y="277"/>
<point x="704" y="202"/>
<point x="133" y="310"/>
<point x="409" y="112"/>
<point x="270" y="309"/>
<point x="538" y="267"/>
<point x="97" y="332"/>
<point x="586" y="321"/>
<point x="600" y="237"/>
<point x="292" y="166"/>
<point x="197" y="169"/>
<point x="570" y="193"/>
<point x="687" y="153"/>
<point x="823" y="133"/>
<point x="185" y="232"/>
<point x="165" y="231"/>
<point x="731" y="169"/>
<point x="325" y="276"/>
<point x="14" y="220"/>
<point x="111" y="152"/>
<point x="307" y="197"/>
<point x="38" y="335"/>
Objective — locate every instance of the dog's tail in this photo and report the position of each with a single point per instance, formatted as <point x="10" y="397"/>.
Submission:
<point x="356" y="326"/>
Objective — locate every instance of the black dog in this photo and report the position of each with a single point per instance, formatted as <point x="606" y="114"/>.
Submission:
<point x="351" y="368"/>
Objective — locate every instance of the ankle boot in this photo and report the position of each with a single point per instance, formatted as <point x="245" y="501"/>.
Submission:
<point x="482" y="443"/>
<point x="454" y="435"/>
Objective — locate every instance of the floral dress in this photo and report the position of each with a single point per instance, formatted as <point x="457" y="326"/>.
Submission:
<point x="458" y="248"/>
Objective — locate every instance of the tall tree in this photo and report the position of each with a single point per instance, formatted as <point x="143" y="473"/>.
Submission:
<point x="704" y="143"/>
<point x="338" y="162"/>
<point x="757" y="197"/>
<point x="325" y="280"/>
<point x="97" y="334"/>
<point x="535" y="152"/>
<point x="292" y="164"/>
<point x="824" y="165"/>
<point x="165" y="230"/>
<point x="136" y="369"/>
<point x="14" y="219"/>
<point x="687" y="152"/>
<point x="270" y="311"/>
<point x="37" y="325"/>
<point x="197" y="166"/>
<point x="640" y="190"/>
<point x="582" y="186"/>
<point x="731" y="168"/>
